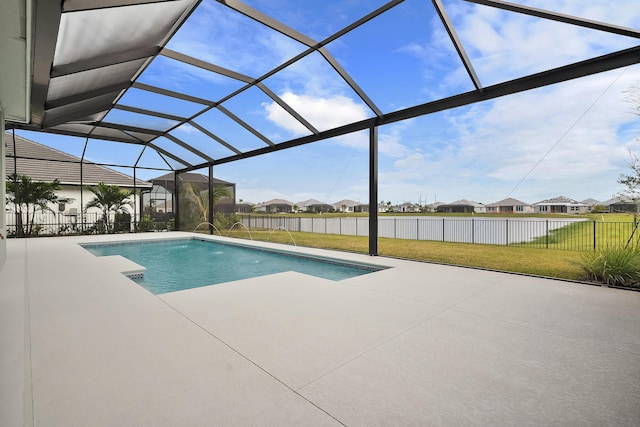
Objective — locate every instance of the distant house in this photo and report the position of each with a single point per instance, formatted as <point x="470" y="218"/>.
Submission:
<point x="408" y="207"/>
<point x="622" y="205"/>
<point x="433" y="207"/>
<point x="561" y="204"/>
<point x="275" y="206"/>
<point x="462" y="206"/>
<point x="510" y="206"/>
<point x="159" y="199"/>
<point x="245" y="207"/>
<point x="45" y="164"/>
<point x="591" y="203"/>
<point x="347" y="205"/>
<point x="313" y="205"/>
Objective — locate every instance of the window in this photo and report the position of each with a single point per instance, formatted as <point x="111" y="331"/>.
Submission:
<point x="519" y="208"/>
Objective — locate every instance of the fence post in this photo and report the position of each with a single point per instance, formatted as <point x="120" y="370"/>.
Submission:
<point x="506" y="221"/>
<point x="443" y="229"/>
<point x="473" y="230"/>
<point x="547" y="233"/>
<point x="594" y="234"/>
<point x="417" y="228"/>
<point x="340" y="226"/>
<point x="394" y="227"/>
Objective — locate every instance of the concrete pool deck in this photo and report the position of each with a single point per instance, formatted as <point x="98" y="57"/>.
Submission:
<point x="417" y="344"/>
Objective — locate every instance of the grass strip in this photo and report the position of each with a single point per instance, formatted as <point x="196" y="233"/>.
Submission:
<point x="540" y="262"/>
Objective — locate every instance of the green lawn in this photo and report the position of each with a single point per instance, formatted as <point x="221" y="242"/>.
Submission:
<point x="554" y="262"/>
<point x="542" y="262"/>
<point x="610" y="230"/>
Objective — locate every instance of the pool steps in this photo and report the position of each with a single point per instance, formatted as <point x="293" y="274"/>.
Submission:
<point x="125" y="266"/>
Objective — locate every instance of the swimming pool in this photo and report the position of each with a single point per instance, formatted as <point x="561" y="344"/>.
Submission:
<point x="174" y="265"/>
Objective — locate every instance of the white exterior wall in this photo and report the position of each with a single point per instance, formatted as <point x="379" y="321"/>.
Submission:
<point x="73" y="192"/>
<point x="3" y="190"/>
<point x="67" y="216"/>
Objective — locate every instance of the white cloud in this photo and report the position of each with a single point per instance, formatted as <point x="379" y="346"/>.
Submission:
<point x="186" y="128"/>
<point x="226" y="38"/>
<point x="322" y="113"/>
<point x="504" y="45"/>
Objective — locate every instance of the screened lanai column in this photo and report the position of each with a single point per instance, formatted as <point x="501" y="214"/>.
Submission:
<point x="176" y="201"/>
<point x="210" y="201"/>
<point x="373" y="190"/>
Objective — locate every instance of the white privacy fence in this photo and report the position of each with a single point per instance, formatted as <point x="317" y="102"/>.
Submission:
<point x="537" y="232"/>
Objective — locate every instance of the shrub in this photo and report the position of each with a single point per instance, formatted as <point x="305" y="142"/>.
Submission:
<point x="146" y="223"/>
<point x="613" y="266"/>
<point x="222" y="221"/>
<point x="122" y="222"/>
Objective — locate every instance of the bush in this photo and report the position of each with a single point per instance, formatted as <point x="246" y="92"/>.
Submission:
<point x="614" y="266"/>
<point x="222" y="221"/>
<point x="122" y="223"/>
<point x="146" y="223"/>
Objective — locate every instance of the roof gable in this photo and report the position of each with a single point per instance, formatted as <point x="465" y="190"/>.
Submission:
<point x="465" y="202"/>
<point x="509" y="202"/>
<point x="312" y="202"/>
<point x="276" y="202"/>
<point x="346" y="202"/>
<point x="42" y="163"/>
<point x="560" y="200"/>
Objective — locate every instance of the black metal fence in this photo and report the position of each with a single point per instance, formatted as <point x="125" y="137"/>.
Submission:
<point x="553" y="233"/>
<point x="58" y="224"/>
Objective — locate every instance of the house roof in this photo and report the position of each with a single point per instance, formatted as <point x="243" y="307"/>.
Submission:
<point x="590" y="202"/>
<point x="612" y="200"/>
<point x="312" y="202"/>
<point x="560" y="200"/>
<point x="509" y="202"/>
<point x="346" y="202"/>
<point x="276" y="202"/>
<point x="190" y="177"/>
<point x="464" y="202"/>
<point x="619" y="200"/>
<point x="42" y="163"/>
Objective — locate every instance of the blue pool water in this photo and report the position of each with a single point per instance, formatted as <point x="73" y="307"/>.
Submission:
<point x="174" y="265"/>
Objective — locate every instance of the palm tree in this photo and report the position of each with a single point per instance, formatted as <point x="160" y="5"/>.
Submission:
<point x="109" y="198"/>
<point x="30" y="196"/>
<point x="201" y="198"/>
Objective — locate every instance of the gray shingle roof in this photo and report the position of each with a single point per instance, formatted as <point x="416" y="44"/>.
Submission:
<point x="312" y="202"/>
<point x="591" y="202"/>
<point x="509" y="202"/>
<point x="190" y="177"/>
<point x="34" y="160"/>
<point x="464" y="202"/>
<point x="346" y="202"/>
<point x="276" y="202"/>
<point x="560" y="200"/>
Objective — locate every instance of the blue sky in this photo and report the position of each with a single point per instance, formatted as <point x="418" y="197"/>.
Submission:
<point x="570" y="139"/>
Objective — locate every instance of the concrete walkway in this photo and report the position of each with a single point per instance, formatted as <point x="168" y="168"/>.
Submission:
<point x="417" y="344"/>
